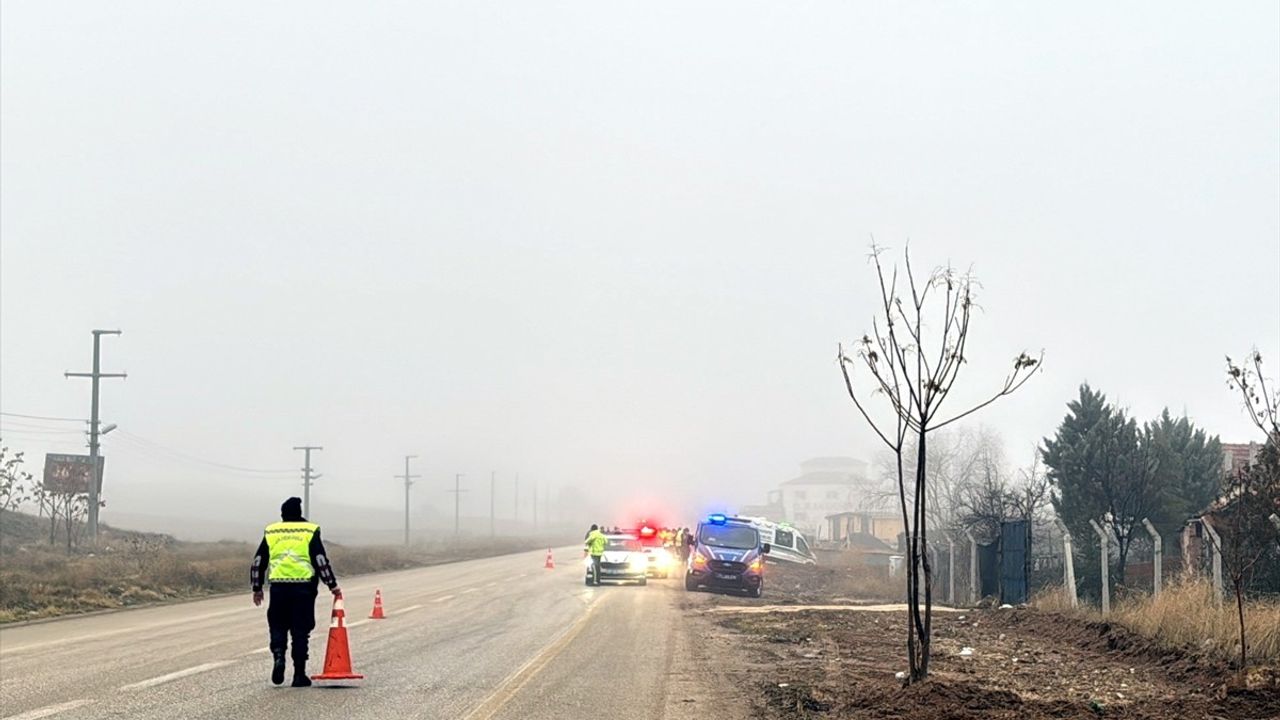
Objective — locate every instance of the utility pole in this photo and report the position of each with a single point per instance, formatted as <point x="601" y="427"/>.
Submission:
<point x="94" y="461"/>
<point x="408" y="481"/>
<point x="493" y="486"/>
<point x="307" y="477"/>
<point x="457" y="498"/>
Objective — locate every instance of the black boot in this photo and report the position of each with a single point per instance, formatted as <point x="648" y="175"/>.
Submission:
<point x="300" y="678"/>
<point x="277" y="667"/>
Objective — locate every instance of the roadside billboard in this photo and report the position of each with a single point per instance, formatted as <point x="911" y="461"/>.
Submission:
<point x="70" y="474"/>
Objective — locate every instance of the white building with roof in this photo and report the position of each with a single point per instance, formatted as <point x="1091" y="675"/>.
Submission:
<point x="825" y="486"/>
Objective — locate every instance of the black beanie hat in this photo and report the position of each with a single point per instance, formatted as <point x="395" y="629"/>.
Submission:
<point x="291" y="509"/>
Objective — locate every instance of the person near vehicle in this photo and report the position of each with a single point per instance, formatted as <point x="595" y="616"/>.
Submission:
<point x="292" y="560"/>
<point x="594" y="546"/>
<point x="689" y="542"/>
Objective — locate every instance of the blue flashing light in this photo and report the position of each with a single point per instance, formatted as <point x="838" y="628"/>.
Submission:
<point x="716" y="519"/>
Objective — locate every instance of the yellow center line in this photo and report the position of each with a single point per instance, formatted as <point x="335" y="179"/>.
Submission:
<point x="517" y="680"/>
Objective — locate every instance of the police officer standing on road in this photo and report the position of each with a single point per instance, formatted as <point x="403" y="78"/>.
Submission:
<point x="293" y="560"/>
<point x="594" y="546"/>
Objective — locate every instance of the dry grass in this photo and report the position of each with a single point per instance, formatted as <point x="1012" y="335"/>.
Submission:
<point x="37" y="582"/>
<point x="1186" y="615"/>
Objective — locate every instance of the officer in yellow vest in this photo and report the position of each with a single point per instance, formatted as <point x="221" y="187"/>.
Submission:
<point x="594" y="546"/>
<point x="292" y="560"/>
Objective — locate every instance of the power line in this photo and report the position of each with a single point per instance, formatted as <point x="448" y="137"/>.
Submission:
<point x="35" y="429"/>
<point x="130" y="447"/>
<point x="195" y="459"/>
<point x="42" y="417"/>
<point x="56" y="443"/>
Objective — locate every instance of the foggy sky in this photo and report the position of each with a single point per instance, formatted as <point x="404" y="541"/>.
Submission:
<point x="608" y="245"/>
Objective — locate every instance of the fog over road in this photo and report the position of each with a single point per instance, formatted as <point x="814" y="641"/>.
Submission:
<point x="494" y="638"/>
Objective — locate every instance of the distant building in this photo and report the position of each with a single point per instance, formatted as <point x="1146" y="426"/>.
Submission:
<point x="825" y="486"/>
<point x="860" y="530"/>
<point x="772" y="509"/>
<point x="1237" y="456"/>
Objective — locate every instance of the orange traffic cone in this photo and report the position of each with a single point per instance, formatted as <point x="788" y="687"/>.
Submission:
<point x="377" y="606"/>
<point x="551" y="562"/>
<point x="337" y="656"/>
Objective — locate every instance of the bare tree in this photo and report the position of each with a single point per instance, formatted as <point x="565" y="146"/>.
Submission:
<point x="46" y="503"/>
<point x="956" y="461"/>
<point x="68" y="508"/>
<point x="1031" y="498"/>
<point x="1251" y="495"/>
<point x="915" y="375"/>
<point x="15" y="482"/>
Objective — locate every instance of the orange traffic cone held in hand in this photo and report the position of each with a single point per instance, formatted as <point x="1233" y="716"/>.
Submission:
<point x="337" y="655"/>
<point x="551" y="562"/>
<point x="377" y="606"/>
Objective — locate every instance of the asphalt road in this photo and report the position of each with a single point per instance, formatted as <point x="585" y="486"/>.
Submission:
<point x="499" y="638"/>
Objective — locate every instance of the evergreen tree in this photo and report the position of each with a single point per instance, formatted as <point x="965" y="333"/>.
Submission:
<point x="1188" y="471"/>
<point x="1102" y="468"/>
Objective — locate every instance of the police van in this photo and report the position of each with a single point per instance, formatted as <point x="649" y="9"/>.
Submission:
<point x="727" y="554"/>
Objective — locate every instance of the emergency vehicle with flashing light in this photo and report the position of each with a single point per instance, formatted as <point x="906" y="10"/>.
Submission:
<point x="727" y="554"/>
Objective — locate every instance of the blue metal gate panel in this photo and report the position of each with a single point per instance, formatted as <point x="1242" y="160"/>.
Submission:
<point x="1015" y="549"/>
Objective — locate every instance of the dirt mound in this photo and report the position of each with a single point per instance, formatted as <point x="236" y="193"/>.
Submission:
<point x="1184" y="664"/>
<point x="1020" y="664"/>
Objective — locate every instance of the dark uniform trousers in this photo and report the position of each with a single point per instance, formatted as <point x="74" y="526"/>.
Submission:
<point x="292" y="611"/>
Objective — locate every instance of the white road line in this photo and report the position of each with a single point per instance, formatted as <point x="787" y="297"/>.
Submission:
<point x="45" y="712"/>
<point x="259" y="651"/>
<point x="444" y="598"/>
<point x="411" y="608"/>
<point x="147" y="629"/>
<point x="469" y="590"/>
<point x="176" y="675"/>
<point x="491" y="584"/>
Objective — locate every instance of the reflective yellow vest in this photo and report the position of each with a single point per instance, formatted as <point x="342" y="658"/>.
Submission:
<point x="596" y="542"/>
<point x="289" y="551"/>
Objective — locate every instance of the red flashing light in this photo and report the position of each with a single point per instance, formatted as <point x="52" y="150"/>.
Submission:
<point x="647" y="531"/>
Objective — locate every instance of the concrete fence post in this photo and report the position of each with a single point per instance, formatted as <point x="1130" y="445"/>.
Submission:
<point x="1106" y="569"/>
<point x="932" y="551"/>
<point x="973" y="568"/>
<point x="1157" y="558"/>
<point x="951" y="570"/>
<point x="1215" y="545"/>
<point x="1068" y="567"/>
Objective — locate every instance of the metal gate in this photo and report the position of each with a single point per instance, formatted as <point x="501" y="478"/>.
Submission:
<point x="1015" y="549"/>
<point x="988" y="570"/>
